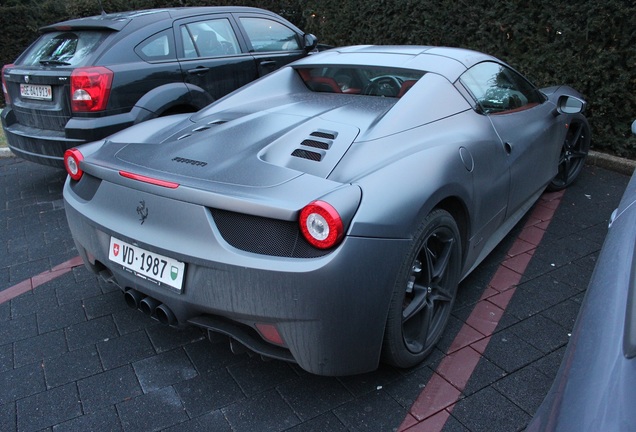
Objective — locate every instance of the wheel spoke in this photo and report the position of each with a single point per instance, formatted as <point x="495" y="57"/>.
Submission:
<point x="562" y="158"/>
<point x="417" y="303"/>
<point x="574" y="140"/>
<point x="429" y="264"/>
<point x="441" y="294"/>
<point x="567" y="164"/>
<point x="441" y="264"/>
<point x="418" y="326"/>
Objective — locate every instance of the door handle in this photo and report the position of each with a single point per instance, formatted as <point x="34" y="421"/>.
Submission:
<point x="198" y="70"/>
<point x="508" y="147"/>
<point x="268" y="63"/>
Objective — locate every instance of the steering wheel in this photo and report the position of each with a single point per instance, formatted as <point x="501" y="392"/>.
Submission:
<point x="384" y="85"/>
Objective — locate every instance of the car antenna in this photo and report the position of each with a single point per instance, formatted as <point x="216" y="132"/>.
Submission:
<point x="101" y="8"/>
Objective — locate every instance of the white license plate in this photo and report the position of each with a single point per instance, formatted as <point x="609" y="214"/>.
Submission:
<point x="150" y="266"/>
<point x="32" y="91"/>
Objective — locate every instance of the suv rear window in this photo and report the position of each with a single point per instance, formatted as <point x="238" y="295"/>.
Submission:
<point x="63" y="48"/>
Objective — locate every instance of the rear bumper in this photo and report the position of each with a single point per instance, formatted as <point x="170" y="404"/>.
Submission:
<point x="330" y="311"/>
<point x="47" y="147"/>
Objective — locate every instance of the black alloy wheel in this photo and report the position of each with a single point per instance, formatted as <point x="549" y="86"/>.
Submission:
<point x="573" y="153"/>
<point x="425" y="292"/>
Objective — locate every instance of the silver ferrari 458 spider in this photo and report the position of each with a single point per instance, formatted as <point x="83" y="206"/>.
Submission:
<point x="325" y="213"/>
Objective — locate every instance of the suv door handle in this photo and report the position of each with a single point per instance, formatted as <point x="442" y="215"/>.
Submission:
<point x="268" y="63"/>
<point x="200" y="70"/>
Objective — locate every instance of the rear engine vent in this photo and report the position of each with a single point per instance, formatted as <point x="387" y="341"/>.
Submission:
<point x="324" y="134"/>
<point x="217" y="122"/>
<point x="184" y="136"/>
<point x="306" y="154"/>
<point x="316" y="144"/>
<point x="321" y="140"/>
<point x="201" y="128"/>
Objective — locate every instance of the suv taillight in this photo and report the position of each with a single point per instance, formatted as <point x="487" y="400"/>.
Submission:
<point x="5" y="90"/>
<point x="90" y="88"/>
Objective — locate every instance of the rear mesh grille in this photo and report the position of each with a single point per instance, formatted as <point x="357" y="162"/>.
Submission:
<point x="264" y="236"/>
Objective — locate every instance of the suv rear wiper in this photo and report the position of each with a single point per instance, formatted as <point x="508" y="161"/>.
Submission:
<point x="54" y="63"/>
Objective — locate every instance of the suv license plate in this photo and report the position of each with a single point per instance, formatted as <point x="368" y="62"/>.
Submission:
<point x="150" y="266"/>
<point x="40" y="92"/>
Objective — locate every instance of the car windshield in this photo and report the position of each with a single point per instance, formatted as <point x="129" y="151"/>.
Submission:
<point x="63" y="48"/>
<point x="370" y="81"/>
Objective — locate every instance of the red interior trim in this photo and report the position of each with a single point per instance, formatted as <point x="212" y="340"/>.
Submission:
<point x="514" y="110"/>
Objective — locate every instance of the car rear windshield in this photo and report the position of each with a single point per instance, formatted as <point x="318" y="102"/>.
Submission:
<point x="370" y="81"/>
<point x="63" y="48"/>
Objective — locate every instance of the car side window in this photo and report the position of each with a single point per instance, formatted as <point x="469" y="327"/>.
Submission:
<point x="267" y="35"/>
<point x="210" y="38"/>
<point x="157" y="47"/>
<point x="499" y="90"/>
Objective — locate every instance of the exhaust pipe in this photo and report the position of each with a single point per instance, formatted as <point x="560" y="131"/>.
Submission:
<point x="148" y="306"/>
<point x="165" y="315"/>
<point x="133" y="298"/>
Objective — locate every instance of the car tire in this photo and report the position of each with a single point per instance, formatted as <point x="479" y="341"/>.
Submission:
<point x="424" y="291"/>
<point x="573" y="153"/>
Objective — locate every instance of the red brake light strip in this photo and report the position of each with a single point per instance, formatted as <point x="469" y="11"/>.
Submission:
<point x="153" y="181"/>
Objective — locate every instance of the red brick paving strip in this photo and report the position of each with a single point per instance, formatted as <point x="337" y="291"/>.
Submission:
<point x="36" y="281"/>
<point x="431" y="409"/>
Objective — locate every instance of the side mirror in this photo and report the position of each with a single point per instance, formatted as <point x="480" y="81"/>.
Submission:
<point x="634" y="127"/>
<point x="570" y="105"/>
<point x="311" y="42"/>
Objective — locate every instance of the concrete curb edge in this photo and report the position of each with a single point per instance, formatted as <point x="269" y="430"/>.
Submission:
<point x="613" y="163"/>
<point x="6" y="152"/>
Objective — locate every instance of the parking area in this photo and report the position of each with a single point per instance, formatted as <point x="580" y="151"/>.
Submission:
<point x="74" y="357"/>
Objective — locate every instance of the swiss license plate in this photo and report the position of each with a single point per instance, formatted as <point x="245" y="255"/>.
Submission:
<point x="151" y="266"/>
<point x="32" y="91"/>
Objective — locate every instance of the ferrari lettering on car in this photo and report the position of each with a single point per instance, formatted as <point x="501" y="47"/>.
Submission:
<point x="326" y="213"/>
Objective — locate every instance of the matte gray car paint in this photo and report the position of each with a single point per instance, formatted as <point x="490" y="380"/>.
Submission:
<point x="394" y="161"/>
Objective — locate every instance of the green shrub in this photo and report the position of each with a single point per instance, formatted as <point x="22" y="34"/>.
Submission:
<point x="590" y="46"/>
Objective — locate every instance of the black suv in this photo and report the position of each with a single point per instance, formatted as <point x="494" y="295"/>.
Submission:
<point x="87" y="78"/>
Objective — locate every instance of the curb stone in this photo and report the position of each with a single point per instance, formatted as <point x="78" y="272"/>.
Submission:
<point x="5" y="153"/>
<point x="612" y="163"/>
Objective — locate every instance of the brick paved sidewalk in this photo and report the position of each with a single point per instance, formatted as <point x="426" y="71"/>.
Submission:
<point x="73" y="357"/>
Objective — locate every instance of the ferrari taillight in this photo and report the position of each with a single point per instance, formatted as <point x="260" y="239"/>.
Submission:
<point x="90" y="88"/>
<point x="5" y="90"/>
<point x="72" y="159"/>
<point x="321" y="224"/>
